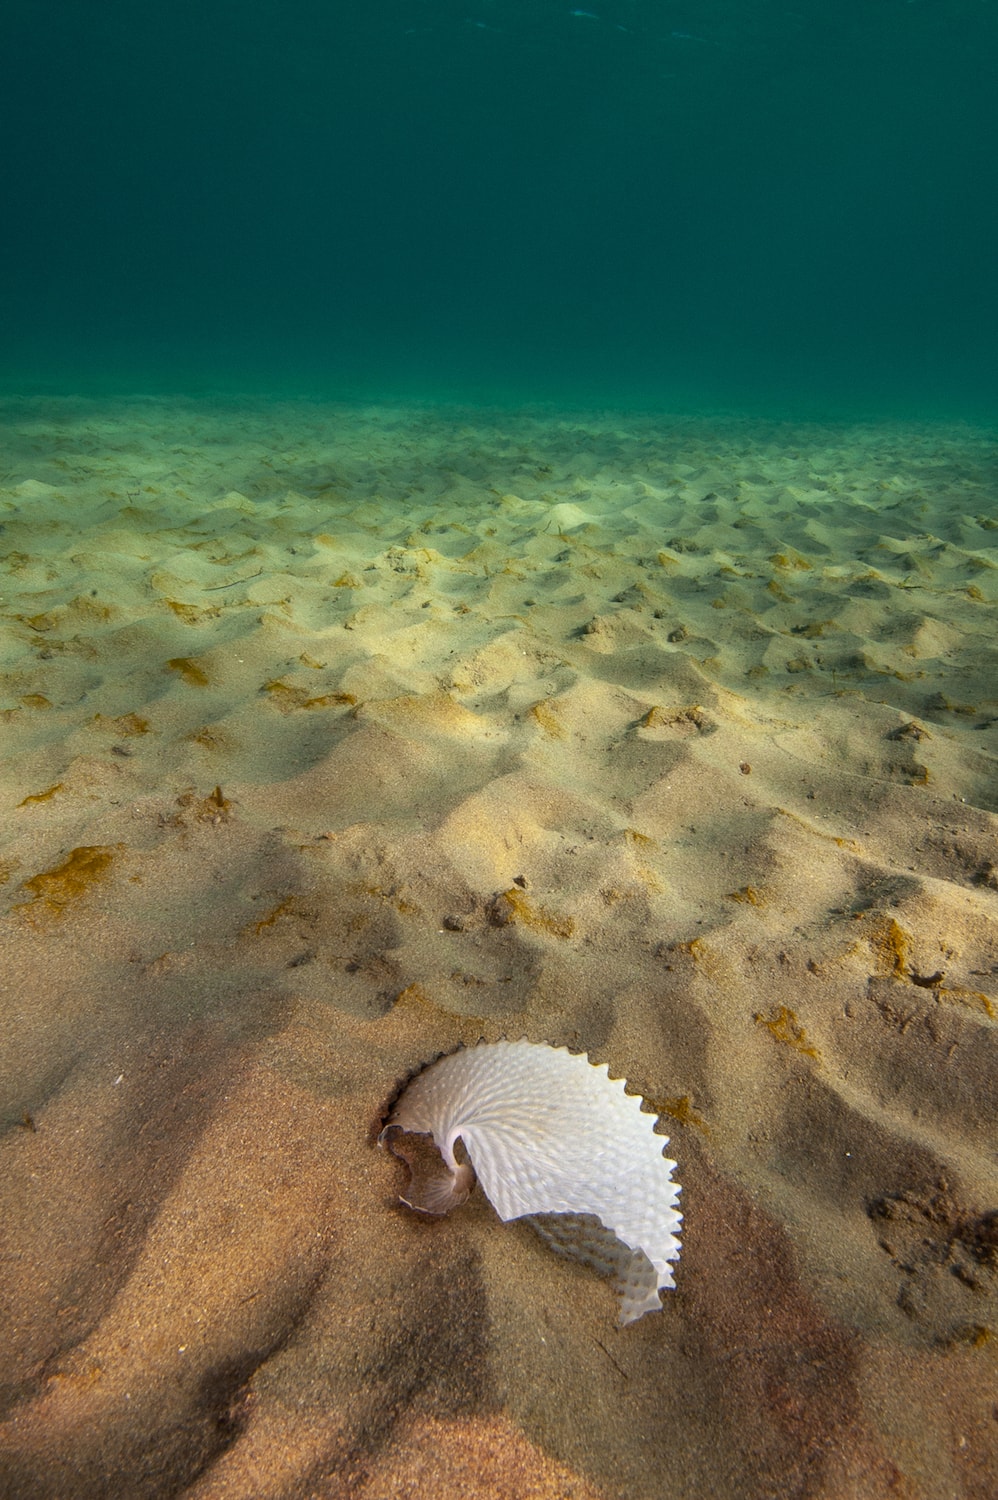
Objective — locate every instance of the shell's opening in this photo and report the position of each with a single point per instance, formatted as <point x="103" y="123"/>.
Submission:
<point x="433" y="1188"/>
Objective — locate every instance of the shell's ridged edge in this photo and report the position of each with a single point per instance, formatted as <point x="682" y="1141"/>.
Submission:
<point x="380" y="1124"/>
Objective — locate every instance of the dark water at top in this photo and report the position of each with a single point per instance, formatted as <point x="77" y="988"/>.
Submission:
<point x="775" y="204"/>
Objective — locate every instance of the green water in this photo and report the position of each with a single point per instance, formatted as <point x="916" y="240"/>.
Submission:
<point x="777" y="205"/>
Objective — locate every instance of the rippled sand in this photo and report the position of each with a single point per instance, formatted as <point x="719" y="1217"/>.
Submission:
<point x="334" y="737"/>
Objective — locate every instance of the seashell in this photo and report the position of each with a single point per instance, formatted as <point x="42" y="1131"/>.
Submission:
<point x="555" y="1140"/>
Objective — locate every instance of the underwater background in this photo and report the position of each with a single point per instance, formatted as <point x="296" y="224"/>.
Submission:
<point x="782" y="204"/>
<point x="498" y="539"/>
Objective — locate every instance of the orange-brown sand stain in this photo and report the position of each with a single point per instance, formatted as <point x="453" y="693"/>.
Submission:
<point x="287" y="696"/>
<point x="513" y="906"/>
<point x="971" y="999"/>
<point x="543" y="714"/>
<point x="81" y="1381"/>
<point x="330" y="700"/>
<point x="791" y="561"/>
<point x="914" y="772"/>
<point x="127" y="725"/>
<point x="284" y="908"/>
<point x="46" y="796"/>
<point x="970" y="1336"/>
<point x="681" y="1110"/>
<point x="779" y="592"/>
<point x="707" y="961"/>
<point x="939" y="701"/>
<point x="648" y="877"/>
<point x="421" y="557"/>
<point x="815" y="628"/>
<point x="188" y="669"/>
<point x="683" y="719"/>
<point x="192" y="614"/>
<point x="404" y="907"/>
<point x="749" y="895"/>
<point x="783" y="1025"/>
<point x="52" y="891"/>
<point x="891" y="946"/>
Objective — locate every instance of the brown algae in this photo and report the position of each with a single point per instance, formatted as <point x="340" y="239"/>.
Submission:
<point x="189" y="670"/>
<point x="65" y="884"/>
<point x="783" y="1025"/>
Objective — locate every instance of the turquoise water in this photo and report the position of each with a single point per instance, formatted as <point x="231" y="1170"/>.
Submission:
<point x="781" y="205"/>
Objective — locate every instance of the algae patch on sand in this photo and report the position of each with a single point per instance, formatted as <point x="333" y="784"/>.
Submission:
<point x="783" y="1026"/>
<point x="65" y="884"/>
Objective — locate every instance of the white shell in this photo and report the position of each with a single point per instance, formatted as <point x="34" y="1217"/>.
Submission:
<point x="549" y="1133"/>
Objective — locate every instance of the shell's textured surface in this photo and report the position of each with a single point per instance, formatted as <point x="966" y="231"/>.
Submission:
<point x="584" y="1238"/>
<point x="548" y="1133"/>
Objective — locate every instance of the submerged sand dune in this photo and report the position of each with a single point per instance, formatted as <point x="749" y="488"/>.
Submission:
<point x="334" y="737"/>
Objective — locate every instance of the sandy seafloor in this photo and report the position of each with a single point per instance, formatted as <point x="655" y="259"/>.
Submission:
<point x="334" y="737"/>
